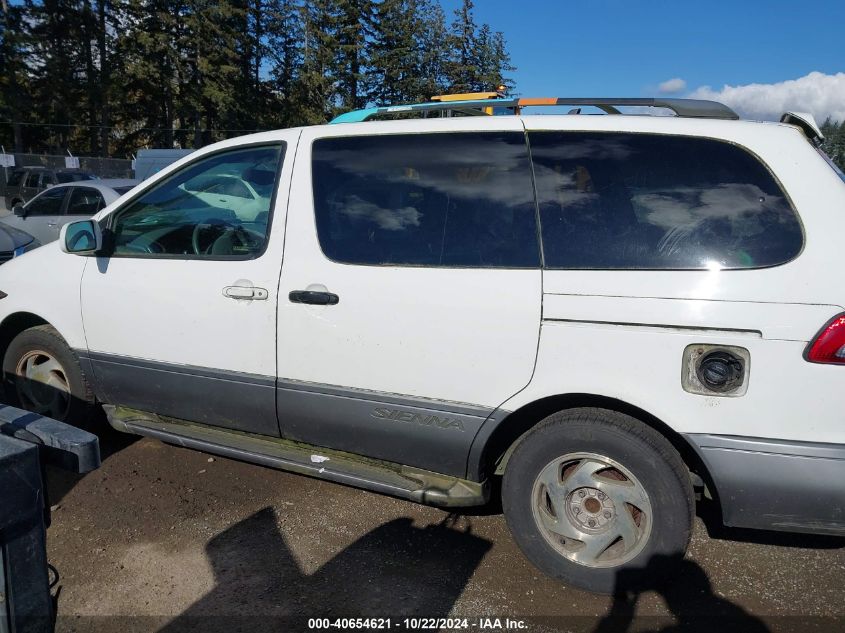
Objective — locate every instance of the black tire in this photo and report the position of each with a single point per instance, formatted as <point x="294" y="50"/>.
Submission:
<point x="76" y="406"/>
<point x="661" y="534"/>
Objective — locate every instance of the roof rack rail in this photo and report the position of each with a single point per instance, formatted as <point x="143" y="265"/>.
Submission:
<point x="692" y="108"/>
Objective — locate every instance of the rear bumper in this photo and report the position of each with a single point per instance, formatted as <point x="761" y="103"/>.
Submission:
<point x="776" y="484"/>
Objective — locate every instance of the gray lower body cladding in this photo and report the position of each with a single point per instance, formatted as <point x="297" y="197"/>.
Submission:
<point x="776" y="484"/>
<point x="380" y="476"/>
<point x="419" y="432"/>
<point x="414" y="431"/>
<point x="245" y="402"/>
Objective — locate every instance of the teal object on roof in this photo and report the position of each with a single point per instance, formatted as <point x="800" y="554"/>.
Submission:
<point x="358" y="116"/>
<point x="355" y="116"/>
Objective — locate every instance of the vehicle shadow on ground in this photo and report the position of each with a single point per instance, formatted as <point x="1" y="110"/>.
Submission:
<point x="397" y="568"/>
<point x="688" y="594"/>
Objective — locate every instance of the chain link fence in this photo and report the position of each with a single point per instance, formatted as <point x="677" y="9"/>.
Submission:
<point x="101" y="167"/>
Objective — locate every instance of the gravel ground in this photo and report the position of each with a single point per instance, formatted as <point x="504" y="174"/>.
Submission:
<point x="167" y="539"/>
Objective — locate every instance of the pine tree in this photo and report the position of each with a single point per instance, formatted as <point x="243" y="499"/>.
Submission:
<point x="12" y="77"/>
<point x="352" y="18"/>
<point x="433" y="44"/>
<point x="313" y="91"/>
<point x="488" y="75"/>
<point x="110" y="76"/>
<point x="502" y="63"/>
<point x="462" y="71"/>
<point x="55" y="63"/>
<point x="479" y="58"/>
<point x="106" y="27"/>
<point x="284" y="52"/>
<point x="838" y="145"/>
<point x="393" y="53"/>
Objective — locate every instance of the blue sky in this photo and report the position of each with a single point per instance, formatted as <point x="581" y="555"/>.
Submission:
<point x="616" y="48"/>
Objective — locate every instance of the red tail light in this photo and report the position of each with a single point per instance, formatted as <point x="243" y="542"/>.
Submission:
<point x="829" y="344"/>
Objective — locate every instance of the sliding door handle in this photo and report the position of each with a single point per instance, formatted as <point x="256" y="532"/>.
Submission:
<point x="313" y="297"/>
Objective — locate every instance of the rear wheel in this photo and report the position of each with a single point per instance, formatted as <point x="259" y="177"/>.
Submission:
<point x="42" y="374"/>
<point x="591" y="494"/>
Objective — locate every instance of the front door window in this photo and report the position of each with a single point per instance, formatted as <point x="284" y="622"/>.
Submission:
<point x="198" y="214"/>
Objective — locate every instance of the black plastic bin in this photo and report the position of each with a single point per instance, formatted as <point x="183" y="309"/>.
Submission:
<point x="28" y="442"/>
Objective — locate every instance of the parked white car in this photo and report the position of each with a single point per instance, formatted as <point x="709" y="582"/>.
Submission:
<point x="230" y="191"/>
<point x="611" y="312"/>
<point x="45" y="215"/>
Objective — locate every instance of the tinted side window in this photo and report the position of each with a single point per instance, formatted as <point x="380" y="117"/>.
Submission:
<point x="84" y="201"/>
<point x="33" y="179"/>
<point x="73" y="176"/>
<point x="15" y="178"/>
<point x="175" y="218"/>
<point x="461" y="200"/>
<point x="646" y="201"/>
<point x="48" y="203"/>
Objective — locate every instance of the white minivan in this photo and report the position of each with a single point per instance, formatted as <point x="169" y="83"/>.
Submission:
<point x="610" y="312"/>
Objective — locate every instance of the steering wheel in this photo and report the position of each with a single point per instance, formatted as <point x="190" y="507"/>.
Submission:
<point x="219" y="229"/>
<point x="214" y="224"/>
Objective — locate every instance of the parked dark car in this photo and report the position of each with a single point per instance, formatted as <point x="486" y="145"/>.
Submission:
<point x="25" y="183"/>
<point x="14" y="242"/>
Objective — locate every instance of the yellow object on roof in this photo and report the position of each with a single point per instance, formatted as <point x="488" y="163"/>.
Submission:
<point x="467" y="96"/>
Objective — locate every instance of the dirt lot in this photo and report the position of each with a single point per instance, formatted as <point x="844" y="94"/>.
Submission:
<point x="168" y="539"/>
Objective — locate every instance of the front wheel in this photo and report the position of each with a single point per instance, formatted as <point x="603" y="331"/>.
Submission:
<point x="42" y="374"/>
<point x="591" y="495"/>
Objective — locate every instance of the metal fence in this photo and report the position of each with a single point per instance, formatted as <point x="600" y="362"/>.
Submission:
<point x="102" y="167"/>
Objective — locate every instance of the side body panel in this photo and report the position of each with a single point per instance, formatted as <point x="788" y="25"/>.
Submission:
<point x="170" y="341"/>
<point x="622" y="334"/>
<point x="45" y="282"/>
<point x="422" y="355"/>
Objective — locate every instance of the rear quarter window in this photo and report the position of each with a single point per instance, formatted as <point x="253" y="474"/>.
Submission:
<point x="646" y="201"/>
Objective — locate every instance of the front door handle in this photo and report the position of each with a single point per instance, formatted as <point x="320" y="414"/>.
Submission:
<point x="313" y="297"/>
<point x="250" y="293"/>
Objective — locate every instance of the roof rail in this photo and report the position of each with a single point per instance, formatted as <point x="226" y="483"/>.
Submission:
<point x="473" y="107"/>
<point x="693" y="108"/>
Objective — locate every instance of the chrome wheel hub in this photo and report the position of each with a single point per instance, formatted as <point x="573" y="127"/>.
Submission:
<point x="592" y="510"/>
<point x="42" y="384"/>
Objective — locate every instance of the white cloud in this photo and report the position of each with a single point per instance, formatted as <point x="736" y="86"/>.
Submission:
<point x="821" y="94"/>
<point x="387" y="219"/>
<point x="671" y="86"/>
